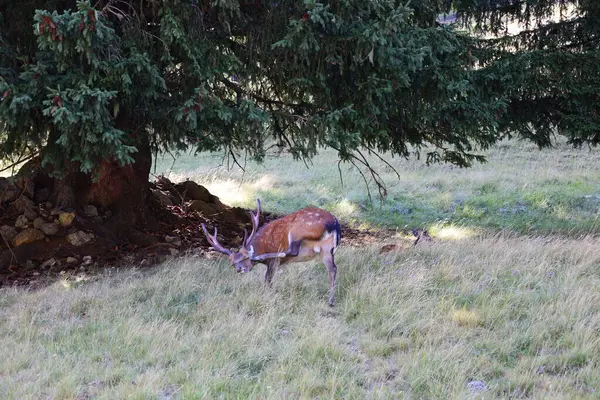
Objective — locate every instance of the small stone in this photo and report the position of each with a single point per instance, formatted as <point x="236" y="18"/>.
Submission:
<point x="9" y="195"/>
<point x="30" y="214"/>
<point x="90" y="211"/>
<point x="71" y="260"/>
<point x="162" y="197"/>
<point x="66" y="218"/>
<point x="23" y="203"/>
<point x="173" y="251"/>
<point x="87" y="260"/>
<point x="25" y="185"/>
<point x="38" y="222"/>
<point x="22" y="222"/>
<point x="48" y="263"/>
<point x="49" y="228"/>
<point x="79" y="238"/>
<point x="8" y="232"/>
<point x="476" y="386"/>
<point x="173" y="240"/>
<point x="29" y="235"/>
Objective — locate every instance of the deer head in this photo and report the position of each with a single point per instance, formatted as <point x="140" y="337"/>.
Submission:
<point x="242" y="260"/>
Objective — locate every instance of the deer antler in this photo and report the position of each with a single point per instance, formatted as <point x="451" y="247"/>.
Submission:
<point x="255" y="218"/>
<point x="212" y="240"/>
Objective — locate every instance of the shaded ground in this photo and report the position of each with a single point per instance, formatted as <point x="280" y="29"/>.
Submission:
<point x="178" y="210"/>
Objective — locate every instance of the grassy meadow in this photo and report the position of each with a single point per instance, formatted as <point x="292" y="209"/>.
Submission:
<point x="504" y="304"/>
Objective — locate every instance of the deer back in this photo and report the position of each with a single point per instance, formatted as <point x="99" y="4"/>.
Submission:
<point x="309" y="223"/>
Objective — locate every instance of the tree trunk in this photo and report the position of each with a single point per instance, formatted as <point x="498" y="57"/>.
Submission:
<point x="124" y="190"/>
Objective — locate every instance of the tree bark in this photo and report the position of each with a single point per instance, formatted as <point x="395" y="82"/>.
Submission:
<point x="123" y="189"/>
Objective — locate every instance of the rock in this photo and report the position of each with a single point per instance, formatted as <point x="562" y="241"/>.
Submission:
<point x="66" y="218"/>
<point x="30" y="214"/>
<point x="9" y="190"/>
<point x="9" y="195"/>
<point x="173" y="251"/>
<point x="87" y="260"/>
<point x="203" y="208"/>
<point x="23" y="203"/>
<point x="29" y="235"/>
<point x="41" y="195"/>
<point x="38" y="222"/>
<point x="173" y="240"/>
<point x="48" y="263"/>
<point x="25" y="185"/>
<point x="79" y="238"/>
<point x="14" y="188"/>
<point x="476" y="386"/>
<point x="22" y="222"/>
<point x="90" y="211"/>
<point x="8" y="232"/>
<point x="162" y="197"/>
<point x="193" y="191"/>
<point x="49" y="228"/>
<point x="71" y="260"/>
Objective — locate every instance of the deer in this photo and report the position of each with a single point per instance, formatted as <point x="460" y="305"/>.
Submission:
<point x="297" y="237"/>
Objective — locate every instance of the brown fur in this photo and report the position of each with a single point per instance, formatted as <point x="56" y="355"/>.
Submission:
<point x="306" y="224"/>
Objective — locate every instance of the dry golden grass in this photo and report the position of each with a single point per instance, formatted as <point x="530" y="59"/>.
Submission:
<point x="527" y="326"/>
<point x="504" y="304"/>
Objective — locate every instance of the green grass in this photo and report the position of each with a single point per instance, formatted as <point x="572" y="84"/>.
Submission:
<point x="506" y="298"/>
<point x="521" y="188"/>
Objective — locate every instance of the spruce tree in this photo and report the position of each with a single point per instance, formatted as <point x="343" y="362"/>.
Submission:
<point x="95" y="90"/>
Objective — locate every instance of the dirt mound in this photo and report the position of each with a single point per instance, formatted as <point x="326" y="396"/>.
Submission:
<point x="39" y="242"/>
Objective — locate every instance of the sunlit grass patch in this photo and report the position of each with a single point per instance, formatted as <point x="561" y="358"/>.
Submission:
<point x="520" y="188"/>
<point x="464" y="317"/>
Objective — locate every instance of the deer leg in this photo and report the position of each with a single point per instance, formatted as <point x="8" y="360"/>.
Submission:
<point x="294" y="249"/>
<point x="329" y="262"/>
<point x="272" y="266"/>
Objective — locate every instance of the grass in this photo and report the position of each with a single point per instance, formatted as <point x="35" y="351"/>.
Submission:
<point x="517" y="313"/>
<point x="521" y="189"/>
<point x="503" y="305"/>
